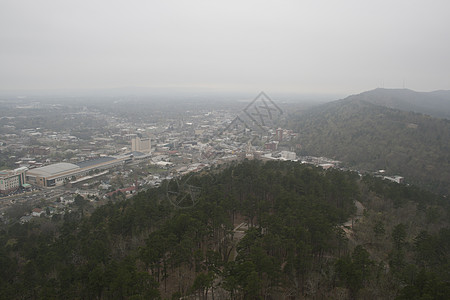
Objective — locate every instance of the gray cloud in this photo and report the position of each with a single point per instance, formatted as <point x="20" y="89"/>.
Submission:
<point x="294" y="46"/>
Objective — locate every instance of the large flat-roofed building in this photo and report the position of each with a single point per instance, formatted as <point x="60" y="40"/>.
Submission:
<point x="59" y="173"/>
<point x="11" y="180"/>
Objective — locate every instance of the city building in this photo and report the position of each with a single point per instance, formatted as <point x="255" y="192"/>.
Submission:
<point x="279" y="134"/>
<point x="287" y="155"/>
<point x="11" y="180"/>
<point x="397" y="179"/>
<point x="273" y="146"/>
<point x="59" y="173"/>
<point x="141" y="144"/>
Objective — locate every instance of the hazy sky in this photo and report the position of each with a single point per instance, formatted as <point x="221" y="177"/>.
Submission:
<point x="276" y="46"/>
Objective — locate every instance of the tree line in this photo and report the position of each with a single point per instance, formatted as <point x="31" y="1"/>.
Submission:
<point x="293" y="245"/>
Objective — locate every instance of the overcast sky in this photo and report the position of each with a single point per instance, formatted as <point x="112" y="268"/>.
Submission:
<point x="297" y="46"/>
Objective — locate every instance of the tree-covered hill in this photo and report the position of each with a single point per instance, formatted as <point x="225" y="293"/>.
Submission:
<point x="435" y="103"/>
<point x="372" y="137"/>
<point x="293" y="246"/>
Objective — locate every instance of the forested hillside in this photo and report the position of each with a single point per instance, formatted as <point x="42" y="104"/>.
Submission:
<point x="294" y="246"/>
<point x="435" y="103"/>
<point x="371" y="137"/>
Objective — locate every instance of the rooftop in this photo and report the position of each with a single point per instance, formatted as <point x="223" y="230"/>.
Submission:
<point x="53" y="169"/>
<point x="93" y="162"/>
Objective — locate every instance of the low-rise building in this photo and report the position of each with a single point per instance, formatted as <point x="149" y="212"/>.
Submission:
<point x="58" y="174"/>
<point x="37" y="212"/>
<point x="287" y="155"/>
<point x="397" y="179"/>
<point x="11" y="180"/>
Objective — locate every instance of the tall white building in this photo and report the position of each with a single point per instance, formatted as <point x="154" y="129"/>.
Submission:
<point x="141" y="145"/>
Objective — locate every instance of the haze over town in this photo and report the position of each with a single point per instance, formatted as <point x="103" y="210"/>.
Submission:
<point x="210" y="149"/>
<point x="297" y="47"/>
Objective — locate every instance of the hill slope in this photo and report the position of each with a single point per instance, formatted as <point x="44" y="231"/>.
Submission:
<point x="372" y="137"/>
<point x="293" y="247"/>
<point x="436" y="103"/>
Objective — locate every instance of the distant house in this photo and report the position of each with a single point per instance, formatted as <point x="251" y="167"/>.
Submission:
<point x="127" y="191"/>
<point x="25" y="219"/>
<point x="37" y="212"/>
<point x="397" y="179"/>
<point x="51" y="210"/>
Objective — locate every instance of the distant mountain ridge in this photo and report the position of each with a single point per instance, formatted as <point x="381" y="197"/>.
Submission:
<point x="435" y="103"/>
<point x="371" y="136"/>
